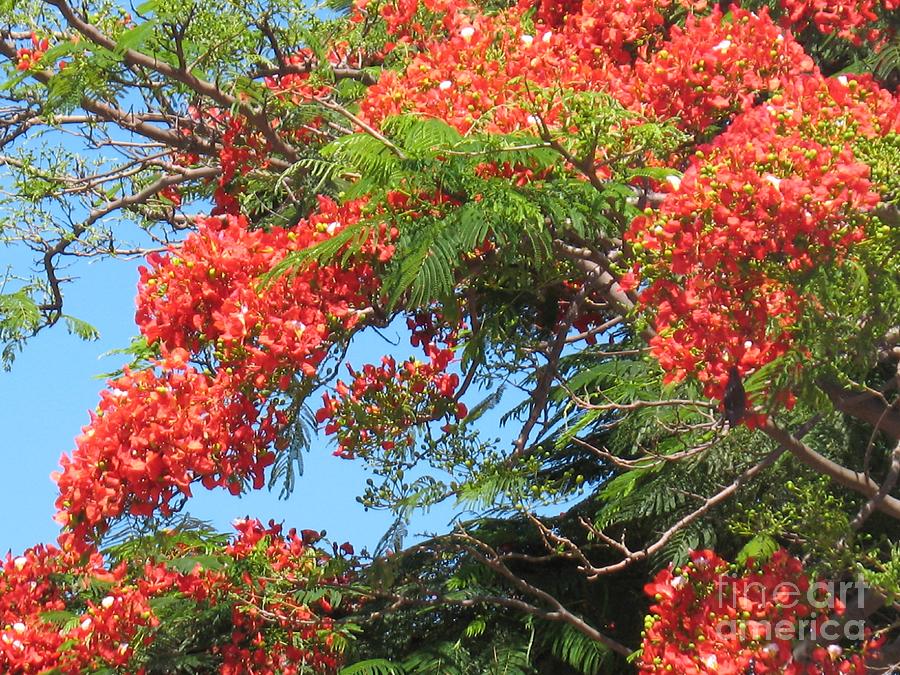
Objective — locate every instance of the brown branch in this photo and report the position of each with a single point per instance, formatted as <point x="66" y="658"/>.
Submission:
<point x="866" y="406"/>
<point x="124" y="202"/>
<point x="339" y="72"/>
<point x="607" y="284"/>
<point x="257" y="117"/>
<point x="133" y="122"/>
<point x="886" y="486"/>
<point x="651" y="459"/>
<point x="149" y="191"/>
<point x="854" y="480"/>
<point x="633" y="557"/>
<point x="400" y="601"/>
<point x="548" y="373"/>
<point x="491" y="559"/>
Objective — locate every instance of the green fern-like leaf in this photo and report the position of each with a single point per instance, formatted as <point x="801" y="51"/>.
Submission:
<point x="347" y="242"/>
<point x="577" y="650"/>
<point x="18" y="312"/>
<point x="81" y="328"/>
<point x="373" y="667"/>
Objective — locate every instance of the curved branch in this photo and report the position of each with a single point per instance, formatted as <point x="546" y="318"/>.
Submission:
<point x="633" y="557"/>
<point x="854" y="480"/>
<point x="130" y="121"/>
<point x="257" y="117"/>
<point x="488" y="557"/>
<point x="127" y="201"/>
<point x="889" y="482"/>
<point x="864" y="406"/>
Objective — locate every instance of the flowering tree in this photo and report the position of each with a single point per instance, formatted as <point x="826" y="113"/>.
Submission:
<point x="661" y="236"/>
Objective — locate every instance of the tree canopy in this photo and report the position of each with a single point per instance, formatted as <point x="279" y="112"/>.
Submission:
<point x="658" y="238"/>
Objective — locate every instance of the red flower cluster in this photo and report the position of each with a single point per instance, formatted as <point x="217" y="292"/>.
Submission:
<point x="623" y="28"/>
<point x="273" y="631"/>
<point x="207" y="292"/>
<point x="27" y="58"/>
<point x="155" y="433"/>
<point x="417" y="22"/>
<point x="708" y="617"/>
<point x="712" y="68"/>
<point x="491" y="74"/>
<point x="102" y="630"/>
<point x="158" y="431"/>
<point x="774" y="195"/>
<point x="486" y="73"/>
<point x="382" y="403"/>
<point x="73" y="614"/>
<point x="850" y="20"/>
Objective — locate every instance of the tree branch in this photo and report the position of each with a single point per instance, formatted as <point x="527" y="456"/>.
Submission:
<point x="257" y="117"/>
<point x="865" y="406"/>
<point x="853" y="480"/>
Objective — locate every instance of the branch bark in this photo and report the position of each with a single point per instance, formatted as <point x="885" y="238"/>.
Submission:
<point x="854" y="480"/>
<point x="257" y="117"/>
<point x="864" y="406"/>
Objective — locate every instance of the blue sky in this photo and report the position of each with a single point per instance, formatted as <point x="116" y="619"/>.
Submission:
<point x="44" y="402"/>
